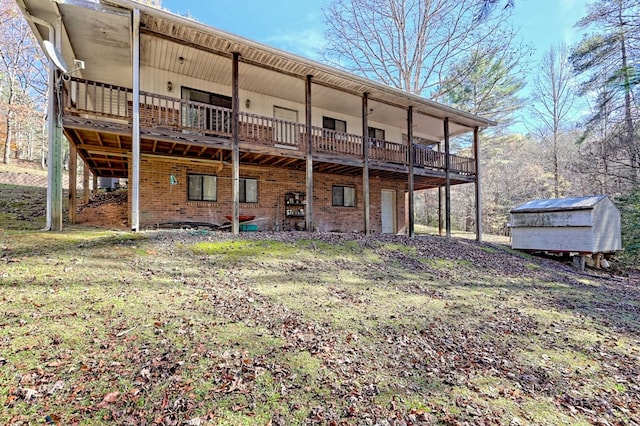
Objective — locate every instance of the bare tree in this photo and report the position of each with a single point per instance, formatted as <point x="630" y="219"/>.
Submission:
<point x="553" y="99"/>
<point x="409" y="44"/>
<point x="22" y="70"/>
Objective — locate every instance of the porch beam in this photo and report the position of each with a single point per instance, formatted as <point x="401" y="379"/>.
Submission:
<point x="440" y="200"/>
<point x="235" y="157"/>
<point x="447" y="173"/>
<point x="478" y="187"/>
<point x="365" y="169"/>
<point x="309" y="177"/>
<point x="411" y="229"/>
<point x="135" y="125"/>
<point x="85" y="183"/>
<point x="73" y="182"/>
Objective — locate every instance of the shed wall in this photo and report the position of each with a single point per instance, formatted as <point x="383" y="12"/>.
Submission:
<point x="553" y="239"/>
<point x="552" y="219"/>
<point x="607" y="233"/>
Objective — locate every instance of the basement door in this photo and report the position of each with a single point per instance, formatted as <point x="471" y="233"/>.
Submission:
<point x="388" y="211"/>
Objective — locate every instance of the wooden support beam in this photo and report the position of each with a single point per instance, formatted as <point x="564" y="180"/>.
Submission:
<point x="73" y="183"/>
<point x="86" y="193"/>
<point x="235" y="161"/>
<point x="307" y="109"/>
<point x="478" y="187"/>
<point x="447" y="171"/>
<point x="135" y="137"/>
<point x="411" y="227"/>
<point x="365" y="169"/>
<point x="440" y="199"/>
<point x="95" y="184"/>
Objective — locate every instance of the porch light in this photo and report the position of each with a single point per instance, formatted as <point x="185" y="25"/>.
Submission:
<point x="248" y="103"/>
<point x="169" y="86"/>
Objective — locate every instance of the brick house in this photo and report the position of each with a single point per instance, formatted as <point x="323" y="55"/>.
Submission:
<point x="209" y="127"/>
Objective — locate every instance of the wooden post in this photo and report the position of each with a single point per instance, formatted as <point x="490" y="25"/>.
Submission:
<point x="73" y="182"/>
<point x="85" y="184"/>
<point x="411" y="161"/>
<point x="135" y="146"/>
<point x="440" y="199"/>
<point x="447" y="172"/>
<point x="235" y="160"/>
<point x="309" y="210"/>
<point x="478" y="187"/>
<point x="95" y="184"/>
<point x="54" y="176"/>
<point x="365" y="168"/>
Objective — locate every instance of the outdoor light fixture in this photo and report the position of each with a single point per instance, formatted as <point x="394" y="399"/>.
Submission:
<point x="248" y="103"/>
<point x="169" y="86"/>
<point x="181" y="59"/>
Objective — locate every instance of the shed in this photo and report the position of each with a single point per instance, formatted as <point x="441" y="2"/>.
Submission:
<point x="581" y="224"/>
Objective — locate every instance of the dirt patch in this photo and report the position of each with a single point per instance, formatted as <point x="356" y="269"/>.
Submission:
<point x="106" y="209"/>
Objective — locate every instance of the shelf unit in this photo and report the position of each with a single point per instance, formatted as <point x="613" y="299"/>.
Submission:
<point x="295" y="204"/>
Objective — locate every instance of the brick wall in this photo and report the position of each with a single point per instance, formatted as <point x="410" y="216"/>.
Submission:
<point x="161" y="202"/>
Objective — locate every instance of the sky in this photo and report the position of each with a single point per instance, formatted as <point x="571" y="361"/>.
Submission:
<point x="297" y="26"/>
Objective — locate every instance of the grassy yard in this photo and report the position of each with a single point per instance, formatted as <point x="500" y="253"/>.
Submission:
<point x="196" y="328"/>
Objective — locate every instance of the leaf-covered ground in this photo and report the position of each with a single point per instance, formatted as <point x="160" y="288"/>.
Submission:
<point x="194" y="328"/>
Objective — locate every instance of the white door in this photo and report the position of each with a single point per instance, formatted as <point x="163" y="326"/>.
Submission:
<point x="388" y="211"/>
<point x="286" y="133"/>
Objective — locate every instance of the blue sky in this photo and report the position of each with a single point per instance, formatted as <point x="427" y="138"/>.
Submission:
<point x="298" y="25"/>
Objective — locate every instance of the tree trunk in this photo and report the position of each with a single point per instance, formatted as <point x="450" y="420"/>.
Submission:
<point x="628" y="119"/>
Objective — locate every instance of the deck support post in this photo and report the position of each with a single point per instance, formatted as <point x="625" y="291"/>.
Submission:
<point x="478" y="187"/>
<point x="94" y="190"/>
<point x="411" y="228"/>
<point x="54" y="158"/>
<point x="85" y="183"/>
<point x="447" y="186"/>
<point x="365" y="169"/>
<point x="135" y="145"/>
<point x="235" y="161"/>
<point x="73" y="182"/>
<point x="307" y="110"/>
<point x="440" y="199"/>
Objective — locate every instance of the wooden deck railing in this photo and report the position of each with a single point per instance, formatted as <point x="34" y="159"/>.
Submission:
<point x="329" y="141"/>
<point x="178" y="115"/>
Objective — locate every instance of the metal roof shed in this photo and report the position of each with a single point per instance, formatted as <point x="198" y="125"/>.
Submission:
<point x="582" y="224"/>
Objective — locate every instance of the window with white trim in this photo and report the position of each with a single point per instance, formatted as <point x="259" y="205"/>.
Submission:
<point x="248" y="190"/>
<point x="344" y="196"/>
<point x="202" y="187"/>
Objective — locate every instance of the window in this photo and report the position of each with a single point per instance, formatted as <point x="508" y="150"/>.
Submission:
<point x="202" y="118"/>
<point x="248" y="190"/>
<point x="203" y="188"/>
<point x="344" y="196"/>
<point x="334" y="124"/>
<point x="376" y="133"/>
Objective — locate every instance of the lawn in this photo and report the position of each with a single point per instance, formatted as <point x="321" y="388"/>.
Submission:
<point x="197" y="327"/>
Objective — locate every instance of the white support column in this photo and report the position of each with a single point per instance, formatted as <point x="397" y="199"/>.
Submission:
<point x="135" y="147"/>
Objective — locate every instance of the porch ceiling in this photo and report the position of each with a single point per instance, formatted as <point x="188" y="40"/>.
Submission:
<point x="99" y="32"/>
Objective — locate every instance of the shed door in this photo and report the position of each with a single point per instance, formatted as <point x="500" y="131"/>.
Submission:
<point x="388" y="211"/>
